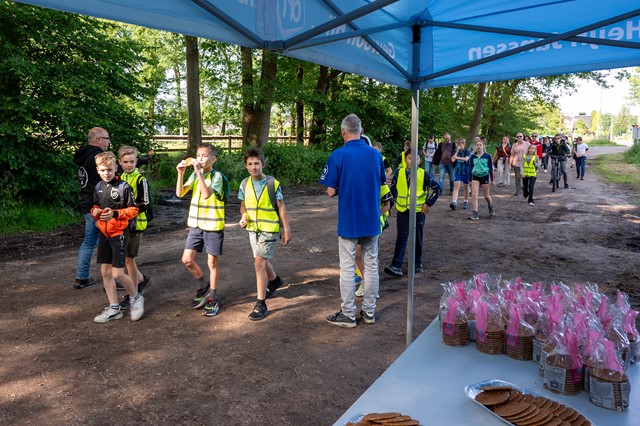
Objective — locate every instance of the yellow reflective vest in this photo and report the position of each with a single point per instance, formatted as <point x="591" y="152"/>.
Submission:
<point x="206" y="214"/>
<point x="133" y="179"/>
<point x="261" y="215"/>
<point x="529" y="169"/>
<point x="402" y="202"/>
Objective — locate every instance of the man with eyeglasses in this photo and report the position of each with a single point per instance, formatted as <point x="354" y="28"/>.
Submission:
<point x="85" y="159"/>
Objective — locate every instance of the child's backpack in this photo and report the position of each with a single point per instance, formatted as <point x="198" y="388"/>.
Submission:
<point x="149" y="212"/>
<point x="224" y="197"/>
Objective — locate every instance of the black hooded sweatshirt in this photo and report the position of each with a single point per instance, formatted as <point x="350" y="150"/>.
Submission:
<point x="85" y="159"/>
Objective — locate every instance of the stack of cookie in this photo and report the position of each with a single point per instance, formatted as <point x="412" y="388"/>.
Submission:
<point x="521" y="346"/>
<point x="455" y="334"/>
<point x="492" y="342"/>
<point x="386" y="419"/>
<point x="523" y="409"/>
<point x="560" y="377"/>
<point x="609" y="389"/>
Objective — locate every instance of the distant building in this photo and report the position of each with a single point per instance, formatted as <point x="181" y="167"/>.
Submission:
<point x="570" y="120"/>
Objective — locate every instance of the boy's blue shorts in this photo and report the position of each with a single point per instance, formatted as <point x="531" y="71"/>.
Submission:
<point x="199" y="239"/>
<point x="464" y="178"/>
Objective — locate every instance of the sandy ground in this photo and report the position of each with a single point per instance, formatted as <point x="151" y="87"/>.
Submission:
<point x="177" y="367"/>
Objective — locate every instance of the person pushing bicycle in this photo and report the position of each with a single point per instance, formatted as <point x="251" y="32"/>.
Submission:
<point x="559" y="152"/>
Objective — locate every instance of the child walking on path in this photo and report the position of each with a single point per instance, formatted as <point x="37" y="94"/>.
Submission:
<point x="128" y="158"/>
<point x="206" y="224"/>
<point x="530" y="171"/>
<point x="262" y="219"/>
<point x="113" y="209"/>
<point x="580" y="155"/>
<point x="481" y="167"/>
<point x="427" y="192"/>
<point x="461" y="174"/>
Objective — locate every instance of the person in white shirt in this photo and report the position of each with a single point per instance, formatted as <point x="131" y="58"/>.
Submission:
<point x="580" y="155"/>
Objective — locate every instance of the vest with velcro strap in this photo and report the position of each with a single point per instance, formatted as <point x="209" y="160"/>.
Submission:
<point x="402" y="202"/>
<point x="262" y="215"/>
<point x="134" y="179"/>
<point x="529" y="169"/>
<point x="206" y="214"/>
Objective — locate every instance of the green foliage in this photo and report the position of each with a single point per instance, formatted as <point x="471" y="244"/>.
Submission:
<point x="633" y="155"/>
<point x="60" y="75"/>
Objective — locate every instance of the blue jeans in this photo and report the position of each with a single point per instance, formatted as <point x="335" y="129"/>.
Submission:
<point x="446" y="169"/>
<point x="402" y="235"/>
<point x="581" y="165"/>
<point x="91" y="233"/>
<point x="429" y="167"/>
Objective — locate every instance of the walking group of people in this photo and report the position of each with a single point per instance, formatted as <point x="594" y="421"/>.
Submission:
<point x="115" y="207"/>
<point x="116" y="204"/>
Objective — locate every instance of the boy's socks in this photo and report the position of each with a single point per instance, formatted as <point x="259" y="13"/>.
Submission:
<point x="115" y="307"/>
<point x="261" y="303"/>
<point x="212" y="293"/>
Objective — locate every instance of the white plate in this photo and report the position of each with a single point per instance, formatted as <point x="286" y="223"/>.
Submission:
<point x="472" y="390"/>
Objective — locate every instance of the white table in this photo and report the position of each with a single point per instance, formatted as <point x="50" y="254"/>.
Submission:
<point x="427" y="382"/>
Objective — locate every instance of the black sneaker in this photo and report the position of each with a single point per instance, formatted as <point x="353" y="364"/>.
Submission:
<point x="272" y="286"/>
<point x="211" y="308"/>
<point x="368" y="318"/>
<point x="143" y="283"/>
<point x="259" y="312"/>
<point x="341" y="320"/>
<point x="419" y="268"/>
<point x="126" y="303"/>
<point x="82" y="283"/>
<point x="200" y="299"/>
<point x="453" y="205"/>
<point x="474" y="216"/>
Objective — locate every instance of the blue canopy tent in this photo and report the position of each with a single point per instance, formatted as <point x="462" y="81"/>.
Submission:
<point x="413" y="44"/>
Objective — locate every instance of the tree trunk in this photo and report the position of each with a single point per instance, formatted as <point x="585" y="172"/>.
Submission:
<point x="299" y="119"/>
<point x="257" y="102"/>
<point x="178" y="77"/>
<point x="319" y="110"/>
<point x="193" y="95"/>
<point x="477" y="115"/>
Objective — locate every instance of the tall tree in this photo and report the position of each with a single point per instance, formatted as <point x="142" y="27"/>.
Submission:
<point x="257" y="97"/>
<point x="318" y="104"/>
<point x="477" y="115"/>
<point x="193" y="94"/>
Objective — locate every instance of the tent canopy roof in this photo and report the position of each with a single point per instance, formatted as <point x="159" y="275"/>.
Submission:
<point x="413" y="44"/>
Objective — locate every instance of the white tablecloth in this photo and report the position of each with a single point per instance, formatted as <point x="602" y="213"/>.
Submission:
<point x="427" y="382"/>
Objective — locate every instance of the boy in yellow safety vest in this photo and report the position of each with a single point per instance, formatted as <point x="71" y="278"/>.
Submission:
<point x="428" y="190"/>
<point x="128" y="158"/>
<point x="262" y="220"/>
<point x="206" y="223"/>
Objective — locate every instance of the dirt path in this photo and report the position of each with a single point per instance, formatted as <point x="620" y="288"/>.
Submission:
<point x="177" y="367"/>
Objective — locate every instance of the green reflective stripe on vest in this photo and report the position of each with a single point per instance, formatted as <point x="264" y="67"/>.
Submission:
<point x="402" y="203"/>
<point x="261" y="216"/>
<point x="206" y="214"/>
<point x="133" y="179"/>
<point x="529" y="169"/>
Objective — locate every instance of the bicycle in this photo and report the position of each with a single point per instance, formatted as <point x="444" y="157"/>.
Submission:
<point x="555" y="172"/>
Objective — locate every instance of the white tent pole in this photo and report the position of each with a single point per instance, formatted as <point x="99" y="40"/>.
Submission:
<point x="415" y="109"/>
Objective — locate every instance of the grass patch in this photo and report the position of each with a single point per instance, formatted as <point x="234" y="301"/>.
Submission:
<point x="36" y="219"/>
<point x="622" y="168"/>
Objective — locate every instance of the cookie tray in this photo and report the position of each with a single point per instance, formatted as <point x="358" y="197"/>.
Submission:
<point x="472" y="390"/>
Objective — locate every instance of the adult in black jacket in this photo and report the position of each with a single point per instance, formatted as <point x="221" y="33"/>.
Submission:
<point x="85" y="159"/>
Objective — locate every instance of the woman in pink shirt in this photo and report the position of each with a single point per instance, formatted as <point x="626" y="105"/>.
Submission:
<point x="518" y="150"/>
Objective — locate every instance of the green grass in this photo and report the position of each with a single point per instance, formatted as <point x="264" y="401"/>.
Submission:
<point x="622" y="168"/>
<point x="18" y="219"/>
<point x="601" y="142"/>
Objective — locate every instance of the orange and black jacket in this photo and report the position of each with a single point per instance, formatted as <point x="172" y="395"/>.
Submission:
<point x="117" y="195"/>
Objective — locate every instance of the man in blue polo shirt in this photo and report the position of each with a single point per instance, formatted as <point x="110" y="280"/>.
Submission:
<point x="355" y="173"/>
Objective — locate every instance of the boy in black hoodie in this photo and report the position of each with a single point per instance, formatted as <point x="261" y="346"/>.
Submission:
<point x="85" y="159"/>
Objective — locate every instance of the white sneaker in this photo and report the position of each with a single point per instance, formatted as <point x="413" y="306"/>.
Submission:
<point x="137" y="308"/>
<point x="107" y="315"/>
<point x="360" y="291"/>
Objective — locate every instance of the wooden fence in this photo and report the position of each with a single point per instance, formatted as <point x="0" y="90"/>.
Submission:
<point x="177" y="143"/>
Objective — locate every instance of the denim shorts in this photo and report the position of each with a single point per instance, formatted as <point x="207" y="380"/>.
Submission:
<point x="199" y="239"/>
<point x="263" y="244"/>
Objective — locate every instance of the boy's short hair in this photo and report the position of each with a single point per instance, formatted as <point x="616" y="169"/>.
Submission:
<point x="127" y="150"/>
<point x="253" y="152"/>
<point x="462" y="141"/>
<point x="105" y="159"/>
<point x="377" y="145"/>
<point x="212" y="149"/>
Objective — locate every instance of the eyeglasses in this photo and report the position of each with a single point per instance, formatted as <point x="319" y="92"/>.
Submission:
<point x="103" y="137"/>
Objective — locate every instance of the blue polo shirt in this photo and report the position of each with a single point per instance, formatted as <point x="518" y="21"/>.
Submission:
<point x="356" y="171"/>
